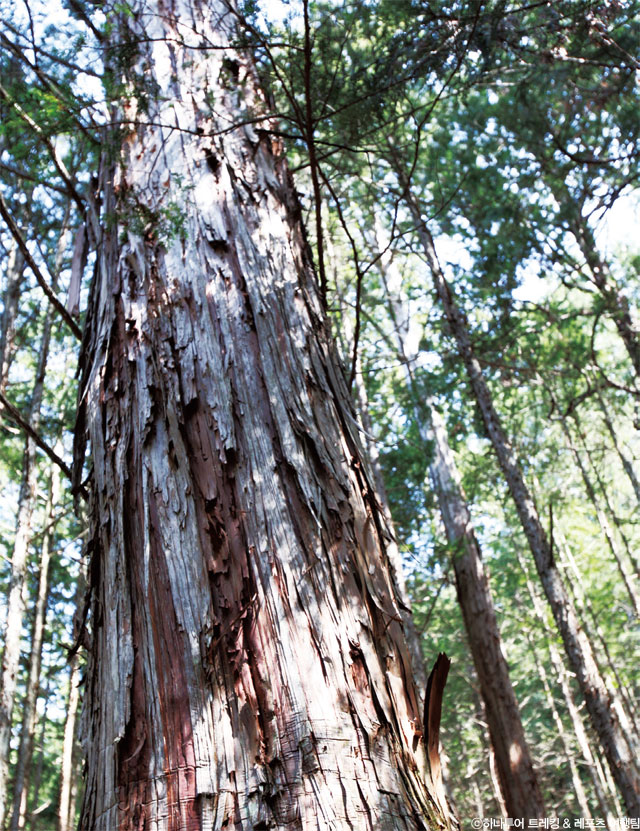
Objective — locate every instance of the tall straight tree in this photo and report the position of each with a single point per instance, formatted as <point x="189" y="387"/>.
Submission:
<point x="600" y="702"/>
<point x="248" y="664"/>
<point x="16" y="599"/>
<point x="518" y="782"/>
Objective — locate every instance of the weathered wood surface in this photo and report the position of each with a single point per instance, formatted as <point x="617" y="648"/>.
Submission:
<point x="248" y="668"/>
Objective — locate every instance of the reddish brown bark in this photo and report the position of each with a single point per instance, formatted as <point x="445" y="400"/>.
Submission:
<point x="248" y="665"/>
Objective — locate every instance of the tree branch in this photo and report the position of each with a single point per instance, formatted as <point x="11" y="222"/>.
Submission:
<point x="28" y="429"/>
<point x="60" y="165"/>
<point x="42" y="282"/>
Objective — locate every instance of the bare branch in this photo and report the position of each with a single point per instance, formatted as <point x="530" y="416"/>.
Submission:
<point x="28" y="429"/>
<point x="42" y="282"/>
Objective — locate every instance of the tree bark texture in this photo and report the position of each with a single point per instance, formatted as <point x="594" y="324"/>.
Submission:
<point x="620" y="757"/>
<point x="248" y="666"/>
<point x="516" y="773"/>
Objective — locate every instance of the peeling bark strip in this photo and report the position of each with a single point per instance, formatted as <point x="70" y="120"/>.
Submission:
<point x="248" y="667"/>
<point x="432" y="714"/>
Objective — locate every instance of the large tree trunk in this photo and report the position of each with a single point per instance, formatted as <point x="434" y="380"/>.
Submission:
<point x="619" y="753"/>
<point x="248" y="665"/>
<point x="515" y="771"/>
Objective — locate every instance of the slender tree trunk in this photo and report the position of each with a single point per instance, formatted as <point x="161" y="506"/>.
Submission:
<point x="68" y="774"/>
<point x="21" y="776"/>
<point x="616" y="303"/>
<point x="498" y="785"/>
<point x="605" y="527"/>
<point x="621" y="698"/>
<point x="393" y="552"/>
<point x="13" y="276"/>
<point x="599" y="786"/>
<point x="248" y="665"/>
<point x="512" y="758"/>
<point x="17" y="585"/>
<point x="68" y="767"/>
<point x="609" y="509"/>
<point x="34" y="816"/>
<point x="598" y="699"/>
<point x="626" y="462"/>
<point x="541" y="673"/>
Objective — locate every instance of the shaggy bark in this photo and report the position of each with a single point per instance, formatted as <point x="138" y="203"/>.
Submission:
<point x="248" y="666"/>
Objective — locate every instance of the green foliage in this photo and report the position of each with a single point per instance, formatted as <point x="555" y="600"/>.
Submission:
<point x="517" y="129"/>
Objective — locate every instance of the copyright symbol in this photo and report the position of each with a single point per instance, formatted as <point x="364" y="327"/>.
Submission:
<point x="476" y="823"/>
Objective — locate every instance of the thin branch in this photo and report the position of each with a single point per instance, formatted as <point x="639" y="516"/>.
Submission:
<point x="359" y="278"/>
<point x="22" y="174"/>
<point x="42" y="282"/>
<point x="28" y="429"/>
<point x="60" y="165"/>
